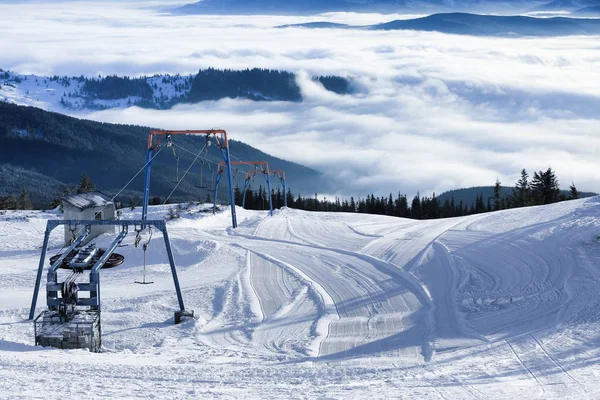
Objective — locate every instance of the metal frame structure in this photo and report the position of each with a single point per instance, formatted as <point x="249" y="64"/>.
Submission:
<point x="220" y="136"/>
<point x="264" y="169"/>
<point x="53" y="287"/>
<point x="281" y="175"/>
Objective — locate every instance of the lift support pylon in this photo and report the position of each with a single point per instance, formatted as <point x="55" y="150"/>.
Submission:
<point x="94" y="285"/>
<point x="220" y="136"/>
<point x="259" y="167"/>
<point x="281" y="175"/>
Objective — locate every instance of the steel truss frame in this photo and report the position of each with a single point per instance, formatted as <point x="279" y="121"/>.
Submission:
<point x="220" y="136"/>
<point x="93" y="287"/>
<point x="259" y="167"/>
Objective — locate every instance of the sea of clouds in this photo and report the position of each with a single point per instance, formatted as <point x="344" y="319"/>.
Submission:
<point x="431" y="111"/>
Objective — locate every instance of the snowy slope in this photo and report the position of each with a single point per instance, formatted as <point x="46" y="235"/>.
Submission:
<point x="63" y="94"/>
<point x="309" y="305"/>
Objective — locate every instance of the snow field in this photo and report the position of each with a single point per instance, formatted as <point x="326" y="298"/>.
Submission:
<point x="318" y="305"/>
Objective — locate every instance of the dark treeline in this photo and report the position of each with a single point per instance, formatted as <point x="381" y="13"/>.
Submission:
<point x="208" y="84"/>
<point x="255" y="84"/>
<point x="542" y="189"/>
<point x="115" y="87"/>
<point x="335" y="84"/>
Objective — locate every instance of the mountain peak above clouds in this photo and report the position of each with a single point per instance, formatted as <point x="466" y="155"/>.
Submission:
<point x="308" y="7"/>
<point x="480" y="25"/>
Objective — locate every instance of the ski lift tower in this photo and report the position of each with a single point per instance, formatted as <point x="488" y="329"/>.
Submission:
<point x="72" y="319"/>
<point x="259" y="167"/>
<point x="154" y="143"/>
<point x="281" y="175"/>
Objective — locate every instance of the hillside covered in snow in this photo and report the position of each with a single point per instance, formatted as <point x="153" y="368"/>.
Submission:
<point x="308" y="305"/>
<point x="62" y="93"/>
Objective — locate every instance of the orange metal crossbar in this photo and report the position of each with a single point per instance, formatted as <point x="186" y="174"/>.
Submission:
<point x="221" y="166"/>
<point x="220" y="136"/>
<point x="279" y="172"/>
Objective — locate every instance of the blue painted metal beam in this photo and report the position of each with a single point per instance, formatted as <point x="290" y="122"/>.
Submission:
<point x="39" y="273"/>
<point x="246" y="184"/>
<point x="94" y="274"/>
<point x="73" y="245"/>
<point x="173" y="270"/>
<point x="52" y="275"/>
<point x="217" y="180"/>
<point x="284" y="192"/>
<point x="231" y="197"/>
<point x="147" y="185"/>
<point x="52" y="224"/>
<point x="268" y="178"/>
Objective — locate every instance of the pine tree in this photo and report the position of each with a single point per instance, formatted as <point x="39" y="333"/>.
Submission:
<point x="415" y="209"/>
<point x="389" y="207"/>
<point x="544" y="187"/>
<point x="434" y="207"/>
<point x="480" y="204"/>
<point x="290" y="198"/>
<point x="24" y="202"/>
<point x="85" y="185"/>
<point x="497" y="187"/>
<point x="522" y="193"/>
<point x="574" y="194"/>
<point x="238" y="196"/>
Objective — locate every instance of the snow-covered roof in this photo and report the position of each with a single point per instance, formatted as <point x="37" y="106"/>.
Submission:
<point x="87" y="200"/>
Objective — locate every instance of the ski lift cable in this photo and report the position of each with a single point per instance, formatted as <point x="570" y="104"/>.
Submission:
<point x="116" y="195"/>
<point x="194" y="154"/>
<point x="214" y="162"/>
<point x="243" y="162"/>
<point x="186" y="172"/>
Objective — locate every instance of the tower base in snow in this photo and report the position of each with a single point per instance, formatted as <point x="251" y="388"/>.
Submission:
<point x="180" y="315"/>
<point x="83" y="331"/>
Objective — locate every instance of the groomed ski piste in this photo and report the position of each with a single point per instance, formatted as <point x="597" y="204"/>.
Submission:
<point x="326" y="305"/>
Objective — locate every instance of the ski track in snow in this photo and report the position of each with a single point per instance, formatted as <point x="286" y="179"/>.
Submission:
<point x="499" y="305"/>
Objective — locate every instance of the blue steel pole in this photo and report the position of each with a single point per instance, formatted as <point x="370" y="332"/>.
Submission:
<point x="147" y="186"/>
<point x="39" y="273"/>
<point x="173" y="270"/>
<point x="246" y="183"/>
<point x="217" y="180"/>
<point x="231" y="198"/>
<point x="268" y="177"/>
<point x="95" y="274"/>
<point x="284" y="193"/>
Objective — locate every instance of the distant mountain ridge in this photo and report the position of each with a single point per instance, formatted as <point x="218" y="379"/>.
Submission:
<point x="566" y="5"/>
<point x="312" y="7"/>
<point x="592" y="11"/>
<point x="42" y="150"/>
<point x="286" y="7"/>
<point x="480" y="25"/>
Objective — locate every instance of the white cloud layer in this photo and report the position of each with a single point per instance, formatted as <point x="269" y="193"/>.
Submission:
<point x="432" y="111"/>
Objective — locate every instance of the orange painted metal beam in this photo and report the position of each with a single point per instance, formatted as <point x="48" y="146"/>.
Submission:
<point x="255" y="163"/>
<point x="278" y="172"/>
<point x="215" y="132"/>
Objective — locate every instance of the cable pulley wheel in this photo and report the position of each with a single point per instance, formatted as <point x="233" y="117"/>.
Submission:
<point x="113" y="261"/>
